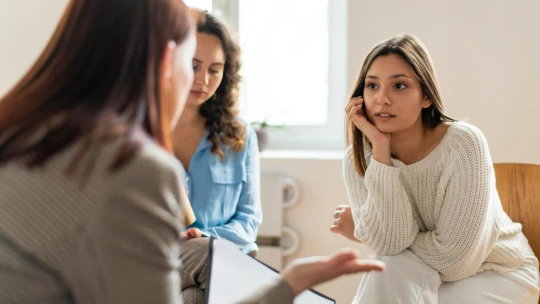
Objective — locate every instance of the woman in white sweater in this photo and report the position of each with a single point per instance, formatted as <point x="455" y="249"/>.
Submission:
<point x="422" y="194"/>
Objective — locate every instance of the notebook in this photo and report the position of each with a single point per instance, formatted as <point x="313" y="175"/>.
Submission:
<point x="233" y="275"/>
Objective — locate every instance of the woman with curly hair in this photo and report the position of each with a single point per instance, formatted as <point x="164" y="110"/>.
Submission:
<point x="218" y="151"/>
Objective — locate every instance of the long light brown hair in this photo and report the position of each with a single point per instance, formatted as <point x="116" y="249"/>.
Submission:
<point x="412" y="50"/>
<point x="220" y="110"/>
<point x="97" y="79"/>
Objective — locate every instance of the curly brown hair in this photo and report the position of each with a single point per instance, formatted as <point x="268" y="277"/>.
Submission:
<point x="220" y="111"/>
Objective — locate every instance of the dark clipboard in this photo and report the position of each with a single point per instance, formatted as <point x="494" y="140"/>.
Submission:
<point x="323" y="298"/>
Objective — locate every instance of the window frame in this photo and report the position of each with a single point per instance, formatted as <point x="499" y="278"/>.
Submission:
<point x="330" y="136"/>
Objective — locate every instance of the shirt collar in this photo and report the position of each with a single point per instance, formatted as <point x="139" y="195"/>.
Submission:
<point x="205" y="143"/>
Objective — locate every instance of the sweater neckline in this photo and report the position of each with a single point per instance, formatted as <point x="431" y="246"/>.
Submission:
<point x="427" y="160"/>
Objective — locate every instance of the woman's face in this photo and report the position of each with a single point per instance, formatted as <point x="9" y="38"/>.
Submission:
<point x="181" y="76"/>
<point x="208" y="67"/>
<point x="392" y="95"/>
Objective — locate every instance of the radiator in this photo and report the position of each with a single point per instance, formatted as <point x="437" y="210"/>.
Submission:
<point x="277" y="241"/>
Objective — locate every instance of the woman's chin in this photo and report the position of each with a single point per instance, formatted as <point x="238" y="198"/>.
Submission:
<point x="193" y="102"/>
<point x="192" y="105"/>
<point x="385" y="128"/>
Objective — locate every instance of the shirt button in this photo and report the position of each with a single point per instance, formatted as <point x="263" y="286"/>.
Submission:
<point x="187" y="179"/>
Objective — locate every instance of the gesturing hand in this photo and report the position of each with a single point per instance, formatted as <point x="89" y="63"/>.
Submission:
<point x="305" y="273"/>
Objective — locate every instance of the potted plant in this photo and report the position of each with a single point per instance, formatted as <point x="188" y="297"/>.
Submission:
<point x="261" y="129"/>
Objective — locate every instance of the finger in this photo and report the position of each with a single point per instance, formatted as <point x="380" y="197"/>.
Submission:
<point x="192" y="232"/>
<point x="353" y="102"/>
<point x="356" y="99"/>
<point x="349" y="105"/>
<point x="354" y="105"/>
<point x="335" y="229"/>
<point x="360" y="121"/>
<point x="339" y="207"/>
<point x="343" y="255"/>
<point x="362" y="265"/>
<point x="356" y="111"/>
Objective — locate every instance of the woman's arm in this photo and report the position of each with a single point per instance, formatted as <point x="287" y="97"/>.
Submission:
<point x="380" y="207"/>
<point x="303" y="274"/>
<point x="132" y="240"/>
<point x="466" y="229"/>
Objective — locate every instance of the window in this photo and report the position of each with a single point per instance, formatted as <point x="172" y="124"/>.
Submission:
<point x="285" y="55"/>
<point x="201" y="4"/>
<point x="294" y="67"/>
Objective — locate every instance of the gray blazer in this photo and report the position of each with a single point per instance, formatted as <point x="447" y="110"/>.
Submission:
<point x="109" y="238"/>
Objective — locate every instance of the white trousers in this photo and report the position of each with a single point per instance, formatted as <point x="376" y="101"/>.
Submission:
<point x="407" y="279"/>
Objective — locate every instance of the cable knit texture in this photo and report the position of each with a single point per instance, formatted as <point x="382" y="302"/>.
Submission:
<point x="444" y="208"/>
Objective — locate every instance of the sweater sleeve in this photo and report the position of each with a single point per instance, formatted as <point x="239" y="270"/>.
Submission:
<point x="380" y="206"/>
<point x="465" y="230"/>
<point x="276" y="292"/>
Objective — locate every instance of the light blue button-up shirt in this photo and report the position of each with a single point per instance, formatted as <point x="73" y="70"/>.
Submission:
<point x="225" y="193"/>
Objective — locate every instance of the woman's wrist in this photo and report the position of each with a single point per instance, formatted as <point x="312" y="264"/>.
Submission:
<point x="297" y="284"/>
<point x="381" y="153"/>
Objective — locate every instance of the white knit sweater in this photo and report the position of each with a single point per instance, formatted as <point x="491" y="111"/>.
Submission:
<point x="444" y="208"/>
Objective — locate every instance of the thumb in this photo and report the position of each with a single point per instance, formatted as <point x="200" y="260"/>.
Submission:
<point x="334" y="228"/>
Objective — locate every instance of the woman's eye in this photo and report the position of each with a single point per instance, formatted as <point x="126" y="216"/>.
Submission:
<point x="400" y="86"/>
<point x="371" y="86"/>
<point x="213" y="72"/>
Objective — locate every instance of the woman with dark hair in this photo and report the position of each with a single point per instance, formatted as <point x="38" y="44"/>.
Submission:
<point x="90" y="204"/>
<point x="91" y="199"/>
<point x="219" y="152"/>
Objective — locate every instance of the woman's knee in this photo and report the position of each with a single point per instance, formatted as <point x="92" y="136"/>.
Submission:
<point x="195" y="248"/>
<point x="406" y="257"/>
<point x="408" y="264"/>
<point x="194" y="256"/>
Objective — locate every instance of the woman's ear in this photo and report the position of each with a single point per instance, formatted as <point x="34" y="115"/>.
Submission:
<point x="167" y="95"/>
<point x="167" y="63"/>
<point x="426" y="103"/>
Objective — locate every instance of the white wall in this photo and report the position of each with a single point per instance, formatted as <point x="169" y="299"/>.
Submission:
<point x="486" y="54"/>
<point x="25" y="28"/>
<point x="322" y="189"/>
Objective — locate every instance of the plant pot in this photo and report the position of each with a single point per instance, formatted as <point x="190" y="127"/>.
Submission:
<point x="262" y="138"/>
